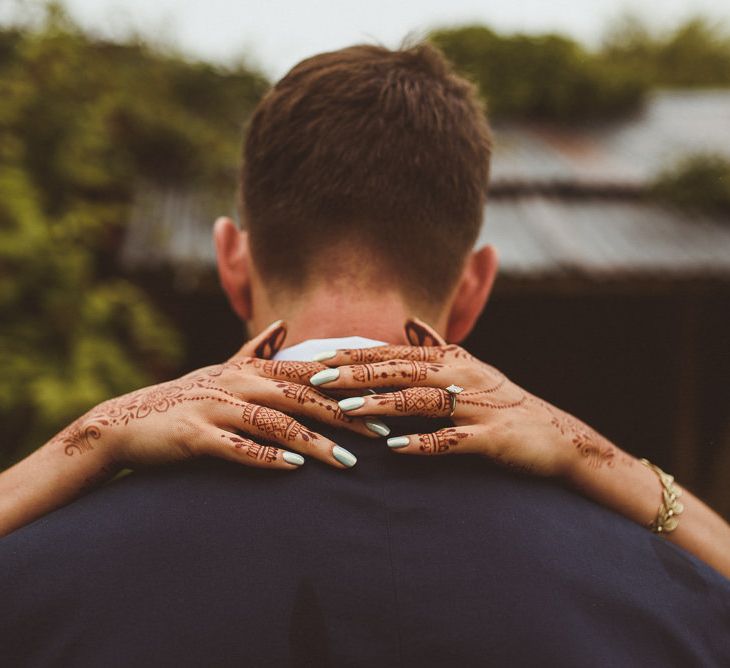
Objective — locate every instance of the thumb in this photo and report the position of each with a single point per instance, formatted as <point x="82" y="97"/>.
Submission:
<point x="418" y="333"/>
<point x="266" y="344"/>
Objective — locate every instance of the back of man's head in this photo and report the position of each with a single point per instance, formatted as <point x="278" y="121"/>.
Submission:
<point x="381" y="155"/>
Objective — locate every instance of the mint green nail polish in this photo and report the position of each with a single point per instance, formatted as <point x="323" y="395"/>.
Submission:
<point x="325" y="355"/>
<point x="344" y="456"/>
<point x="398" y="442"/>
<point x="351" y="403"/>
<point x="380" y="428"/>
<point x="293" y="458"/>
<point x="325" y="376"/>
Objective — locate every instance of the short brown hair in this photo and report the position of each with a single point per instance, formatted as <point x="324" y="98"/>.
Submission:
<point x="385" y="149"/>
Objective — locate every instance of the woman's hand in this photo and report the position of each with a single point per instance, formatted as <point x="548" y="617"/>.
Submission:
<point x="495" y="418"/>
<point x="230" y="410"/>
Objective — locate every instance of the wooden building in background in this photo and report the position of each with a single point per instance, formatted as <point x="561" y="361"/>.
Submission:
<point x="607" y="304"/>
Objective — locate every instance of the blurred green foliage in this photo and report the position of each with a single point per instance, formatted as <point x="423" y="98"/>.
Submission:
<point x="554" y="78"/>
<point x="699" y="183"/>
<point x="695" y="54"/>
<point x="548" y="77"/>
<point x="82" y="123"/>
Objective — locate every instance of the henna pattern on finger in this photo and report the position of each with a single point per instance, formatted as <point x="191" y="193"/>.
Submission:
<point x="254" y="450"/>
<point x="296" y="371"/>
<point x="419" y="335"/>
<point x="304" y="394"/>
<point x="276" y="425"/>
<point x="415" y="372"/>
<point x="271" y="344"/>
<point x="441" y="441"/>
<point x="414" y="353"/>
<point x="423" y="401"/>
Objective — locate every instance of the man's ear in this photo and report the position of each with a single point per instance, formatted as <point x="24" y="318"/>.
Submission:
<point x="234" y="265"/>
<point x="471" y="293"/>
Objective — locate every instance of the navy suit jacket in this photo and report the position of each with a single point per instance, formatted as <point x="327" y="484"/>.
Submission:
<point x="400" y="561"/>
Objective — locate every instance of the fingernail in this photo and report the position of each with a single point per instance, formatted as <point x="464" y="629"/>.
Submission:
<point x="324" y="376"/>
<point x="344" y="456"/>
<point x="380" y="428"/>
<point x="293" y="458"/>
<point x="398" y="442"/>
<point x="326" y="355"/>
<point x="351" y="403"/>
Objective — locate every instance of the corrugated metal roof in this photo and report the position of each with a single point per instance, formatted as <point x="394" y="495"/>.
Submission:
<point x="601" y="237"/>
<point x="628" y="153"/>
<point x="538" y="235"/>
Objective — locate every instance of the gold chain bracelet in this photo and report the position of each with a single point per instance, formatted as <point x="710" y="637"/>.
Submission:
<point x="667" y="518"/>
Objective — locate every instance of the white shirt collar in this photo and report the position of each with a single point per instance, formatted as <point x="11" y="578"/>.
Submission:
<point x="304" y="351"/>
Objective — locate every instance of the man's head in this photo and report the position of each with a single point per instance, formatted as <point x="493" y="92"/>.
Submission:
<point x="365" y="168"/>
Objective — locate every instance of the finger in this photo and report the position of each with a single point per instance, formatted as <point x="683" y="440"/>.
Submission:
<point x="304" y="400"/>
<point x="450" y="353"/>
<point x="242" y="450"/>
<point x="394" y="373"/>
<point x="297" y="372"/>
<point x="266" y="344"/>
<point x="417" y="401"/>
<point x="451" y="440"/>
<point x="277" y="427"/>
<point x="433" y="402"/>
<point x="419" y="333"/>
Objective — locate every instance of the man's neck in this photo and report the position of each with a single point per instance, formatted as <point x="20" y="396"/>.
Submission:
<point x="329" y="313"/>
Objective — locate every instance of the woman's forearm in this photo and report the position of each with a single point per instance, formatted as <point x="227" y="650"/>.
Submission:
<point x="635" y="491"/>
<point x="49" y="478"/>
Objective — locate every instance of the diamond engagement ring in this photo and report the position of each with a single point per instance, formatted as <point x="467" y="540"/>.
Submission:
<point x="453" y="390"/>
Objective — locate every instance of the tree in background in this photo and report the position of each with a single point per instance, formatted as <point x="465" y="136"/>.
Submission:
<point x="554" y="78"/>
<point x="541" y="77"/>
<point x="82" y="123"/>
<point x="694" y="54"/>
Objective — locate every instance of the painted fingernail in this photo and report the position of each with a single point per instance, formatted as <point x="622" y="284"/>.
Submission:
<point x="398" y="442"/>
<point x="380" y="428"/>
<point x="293" y="458"/>
<point x="324" y="376"/>
<point x="351" y="403"/>
<point x="326" y="355"/>
<point x="344" y="456"/>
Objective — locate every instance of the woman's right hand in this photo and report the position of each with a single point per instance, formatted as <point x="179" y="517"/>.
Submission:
<point x="228" y="410"/>
<point x="231" y="410"/>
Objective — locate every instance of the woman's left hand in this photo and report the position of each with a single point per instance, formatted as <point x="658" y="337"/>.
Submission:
<point x="493" y="416"/>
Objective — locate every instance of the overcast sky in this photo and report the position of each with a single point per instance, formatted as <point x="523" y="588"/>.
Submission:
<point x="276" y="34"/>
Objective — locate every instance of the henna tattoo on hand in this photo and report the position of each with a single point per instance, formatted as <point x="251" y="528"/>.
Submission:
<point x="441" y="441"/>
<point x="414" y="353"/>
<point x="272" y="343"/>
<point x="254" y="450"/>
<point x="589" y="444"/>
<point x="304" y="394"/>
<point x="419" y="335"/>
<point x="423" y="401"/>
<point x="77" y="437"/>
<point x="414" y="372"/>
<point x="299" y="372"/>
<point x="275" y="425"/>
<point x="137" y="405"/>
